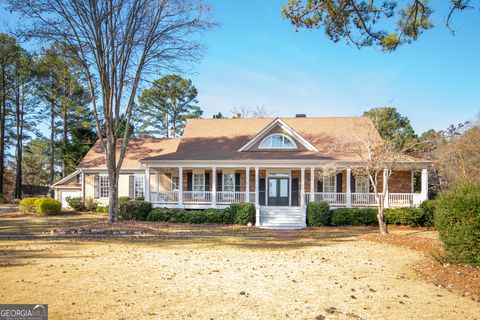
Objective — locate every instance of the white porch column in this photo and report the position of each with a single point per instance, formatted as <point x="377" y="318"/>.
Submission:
<point x="156" y="182"/>
<point x="247" y="184"/>
<point x="312" y="184"/>
<point x="386" y="202"/>
<point x="147" y="184"/>
<point x="214" y="186"/>
<point x="83" y="185"/>
<point x="302" y="190"/>
<point x="180" y="186"/>
<point x="424" y="189"/>
<point x="348" y="198"/>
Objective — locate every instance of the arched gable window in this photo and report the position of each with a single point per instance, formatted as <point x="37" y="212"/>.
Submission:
<point x="277" y="141"/>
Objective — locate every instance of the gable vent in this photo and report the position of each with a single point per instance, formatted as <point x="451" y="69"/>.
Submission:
<point x="300" y="115"/>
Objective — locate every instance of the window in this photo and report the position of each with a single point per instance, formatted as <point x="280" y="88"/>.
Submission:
<point x="198" y="182"/>
<point x="361" y="184"/>
<point x="175" y="183"/>
<point x="103" y="187"/>
<point x="229" y="182"/>
<point x="277" y="141"/>
<point x="329" y="184"/>
<point x="139" y="186"/>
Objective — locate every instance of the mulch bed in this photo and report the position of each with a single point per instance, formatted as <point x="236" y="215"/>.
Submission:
<point x="463" y="280"/>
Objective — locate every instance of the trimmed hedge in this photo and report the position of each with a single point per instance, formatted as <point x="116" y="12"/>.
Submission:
<point x="191" y="216"/>
<point x="409" y="216"/>
<point x="135" y="210"/>
<point x="457" y="219"/>
<point x="318" y="214"/>
<point x="76" y="203"/>
<point x="27" y="205"/>
<point x="122" y="200"/>
<point x="48" y="206"/>
<point x="354" y="217"/>
<point x="243" y="213"/>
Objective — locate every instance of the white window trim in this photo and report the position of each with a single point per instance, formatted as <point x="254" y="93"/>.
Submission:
<point x="334" y="183"/>
<point x="135" y="184"/>
<point x="223" y="180"/>
<point x="100" y="176"/>
<point x="198" y="172"/>
<point x="284" y="136"/>
<point x="368" y="184"/>
<point x="171" y="182"/>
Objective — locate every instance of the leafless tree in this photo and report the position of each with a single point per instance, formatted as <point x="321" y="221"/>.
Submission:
<point x="377" y="161"/>
<point x="117" y="43"/>
<point x="247" y="112"/>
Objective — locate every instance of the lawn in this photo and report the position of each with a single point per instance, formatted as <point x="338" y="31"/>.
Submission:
<point x="324" y="273"/>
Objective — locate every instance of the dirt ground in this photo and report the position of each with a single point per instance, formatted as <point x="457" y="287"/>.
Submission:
<point x="335" y="276"/>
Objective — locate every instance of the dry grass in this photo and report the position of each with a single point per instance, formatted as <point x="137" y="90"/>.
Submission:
<point x="333" y="276"/>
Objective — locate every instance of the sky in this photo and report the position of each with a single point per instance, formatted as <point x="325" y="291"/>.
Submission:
<point x="255" y="58"/>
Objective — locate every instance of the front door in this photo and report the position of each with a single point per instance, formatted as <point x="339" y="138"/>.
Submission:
<point x="278" y="191"/>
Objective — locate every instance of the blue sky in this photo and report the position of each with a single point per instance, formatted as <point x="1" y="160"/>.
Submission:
<point x="256" y="59"/>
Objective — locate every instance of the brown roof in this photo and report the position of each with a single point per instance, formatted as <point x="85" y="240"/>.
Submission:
<point x="220" y="139"/>
<point x="137" y="149"/>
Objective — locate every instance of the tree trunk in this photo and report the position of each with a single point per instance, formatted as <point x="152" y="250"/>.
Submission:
<point x="64" y="142"/>
<point x="112" y="179"/>
<point x="382" y="223"/>
<point x="19" y="125"/>
<point x="3" y="112"/>
<point x="52" y="146"/>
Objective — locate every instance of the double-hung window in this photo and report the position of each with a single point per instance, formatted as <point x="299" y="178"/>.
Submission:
<point x="329" y="187"/>
<point x="229" y="186"/>
<point x="104" y="189"/>
<point x="139" y="186"/>
<point x="361" y="184"/>
<point x="175" y="182"/>
<point x="198" y="185"/>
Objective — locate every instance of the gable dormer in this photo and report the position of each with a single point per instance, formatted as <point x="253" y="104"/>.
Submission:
<point x="278" y="136"/>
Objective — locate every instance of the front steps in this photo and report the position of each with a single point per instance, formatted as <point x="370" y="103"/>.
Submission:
<point x="288" y="218"/>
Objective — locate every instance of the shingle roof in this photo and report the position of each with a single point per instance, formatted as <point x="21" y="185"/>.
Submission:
<point x="220" y="139"/>
<point x="137" y="149"/>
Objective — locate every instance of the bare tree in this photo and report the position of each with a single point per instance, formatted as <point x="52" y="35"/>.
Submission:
<point x="117" y="42"/>
<point x="247" y="112"/>
<point x="377" y="161"/>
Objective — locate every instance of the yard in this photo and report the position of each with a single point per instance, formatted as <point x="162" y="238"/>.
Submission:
<point x="323" y="273"/>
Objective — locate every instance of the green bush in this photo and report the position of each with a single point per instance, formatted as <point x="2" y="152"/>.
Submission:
<point x="27" y="205"/>
<point x="457" y="219"/>
<point x="90" y="204"/>
<point x="47" y="206"/>
<point x="354" y="217"/>
<point x="122" y="200"/>
<point x="428" y="208"/>
<point x="405" y="216"/>
<point x="243" y="213"/>
<point x="76" y="203"/>
<point x="318" y="214"/>
<point x="135" y="210"/>
<point x="191" y="216"/>
<point x="101" y="209"/>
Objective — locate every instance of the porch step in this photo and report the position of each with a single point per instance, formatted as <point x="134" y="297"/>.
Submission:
<point x="282" y="218"/>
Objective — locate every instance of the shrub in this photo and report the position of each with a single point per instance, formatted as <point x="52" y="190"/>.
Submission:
<point x="405" y="216"/>
<point x="3" y="199"/>
<point x="318" y="214"/>
<point x="428" y="208"/>
<point x="122" y="200"/>
<point x="101" y="209"/>
<point x="47" y="206"/>
<point x="354" y="217"/>
<point x="191" y="216"/>
<point x="90" y="204"/>
<point x="135" y="210"/>
<point x="76" y="203"/>
<point x="243" y="213"/>
<point x="27" y="205"/>
<point x="457" y="219"/>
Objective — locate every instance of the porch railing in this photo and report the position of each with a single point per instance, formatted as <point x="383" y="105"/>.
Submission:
<point x="231" y="197"/>
<point x="330" y="198"/>
<point x="363" y="199"/>
<point x="164" y="197"/>
<point x="197" y="197"/>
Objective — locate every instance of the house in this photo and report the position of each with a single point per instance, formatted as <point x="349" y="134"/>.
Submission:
<point x="276" y="163"/>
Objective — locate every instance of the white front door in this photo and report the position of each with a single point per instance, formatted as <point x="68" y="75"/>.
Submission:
<point x="66" y="194"/>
